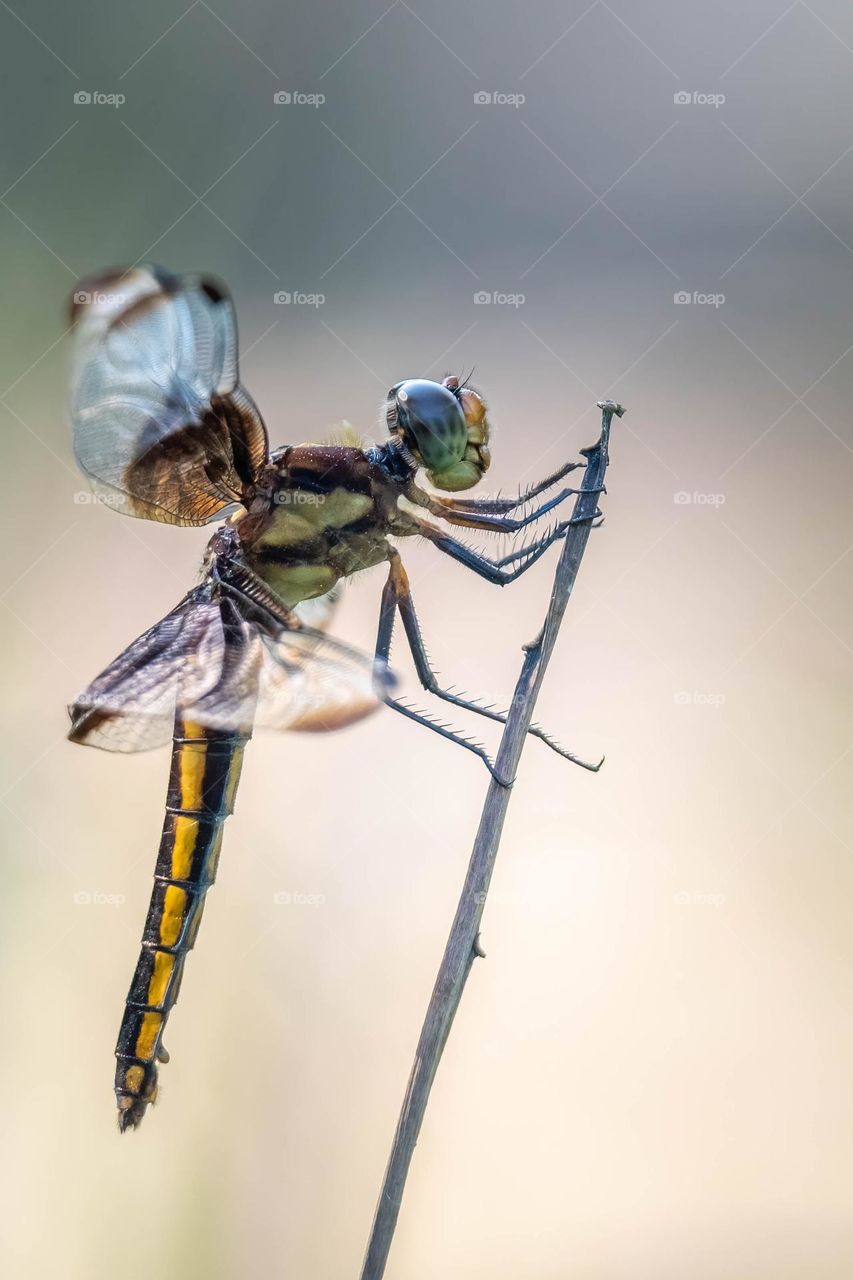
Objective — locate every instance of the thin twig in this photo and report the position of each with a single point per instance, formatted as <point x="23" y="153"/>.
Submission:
<point x="463" y="943"/>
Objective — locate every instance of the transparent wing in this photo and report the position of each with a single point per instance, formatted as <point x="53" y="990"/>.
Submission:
<point x="131" y="705"/>
<point x="162" y="427"/>
<point x="327" y="700"/>
<point x="318" y="612"/>
<point x="225" y="671"/>
<point x="330" y="690"/>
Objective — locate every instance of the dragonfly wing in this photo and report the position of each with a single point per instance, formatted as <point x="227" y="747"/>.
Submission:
<point x="311" y="683"/>
<point x="225" y="670"/>
<point x="162" y="427"/>
<point x="334" y="700"/>
<point x="278" y="676"/>
<point x="319" y="611"/>
<point x="131" y="705"/>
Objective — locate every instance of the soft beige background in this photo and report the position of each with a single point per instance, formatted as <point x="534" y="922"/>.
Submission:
<point x="651" y="1073"/>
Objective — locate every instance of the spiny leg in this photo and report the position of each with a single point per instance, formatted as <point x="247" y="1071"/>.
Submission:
<point x="387" y="610"/>
<point x="520" y="552"/>
<point x="471" y="518"/>
<point x="494" y="570"/>
<point x="398" y="593"/>
<point x="499" y="506"/>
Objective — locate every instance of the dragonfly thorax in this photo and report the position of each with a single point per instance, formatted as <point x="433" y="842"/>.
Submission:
<point x="321" y="513"/>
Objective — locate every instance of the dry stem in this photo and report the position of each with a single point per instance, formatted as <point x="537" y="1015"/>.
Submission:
<point x="463" y="944"/>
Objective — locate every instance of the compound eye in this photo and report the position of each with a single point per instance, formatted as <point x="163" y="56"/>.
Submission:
<point x="432" y="422"/>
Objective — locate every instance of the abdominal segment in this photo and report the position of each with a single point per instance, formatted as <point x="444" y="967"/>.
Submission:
<point x="203" y="781"/>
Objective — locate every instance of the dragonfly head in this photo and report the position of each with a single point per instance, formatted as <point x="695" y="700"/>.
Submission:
<point x="444" y="427"/>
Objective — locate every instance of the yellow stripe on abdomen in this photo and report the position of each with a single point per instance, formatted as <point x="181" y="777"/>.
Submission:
<point x="233" y="781"/>
<point x="146" y="1040"/>
<point x="203" y="781"/>
<point x="174" y="912"/>
<point x="193" y="761"/>
<point x="164" y="967"/>
<point x="185" y="838"/>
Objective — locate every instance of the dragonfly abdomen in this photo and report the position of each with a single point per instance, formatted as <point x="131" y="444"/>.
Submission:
<point x="203" y="781"/>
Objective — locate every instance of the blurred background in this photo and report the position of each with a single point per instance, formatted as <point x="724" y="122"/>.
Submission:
<point x="651" y="1072"/>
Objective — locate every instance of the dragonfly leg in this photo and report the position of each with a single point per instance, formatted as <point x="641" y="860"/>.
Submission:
<point x="492" y="514"/>
<point x="519" y="553"/>
<point x="500" y="506"/>
<point x="470" y="518"/>
<point x="495" y="570"/>
<point x="387" y="611"/>
<point x="397" y="596"/>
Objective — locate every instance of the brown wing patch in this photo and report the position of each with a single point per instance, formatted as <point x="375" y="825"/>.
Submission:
<point x="335" y="716"/>
<point x="162" y="426"/>
<point x="224" y="660"/>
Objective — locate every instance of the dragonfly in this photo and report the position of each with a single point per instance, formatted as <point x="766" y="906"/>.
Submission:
<point x="164" y="431"/>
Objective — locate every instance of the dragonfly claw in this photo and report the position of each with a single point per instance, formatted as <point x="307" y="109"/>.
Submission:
<point x="506" y="783"/>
